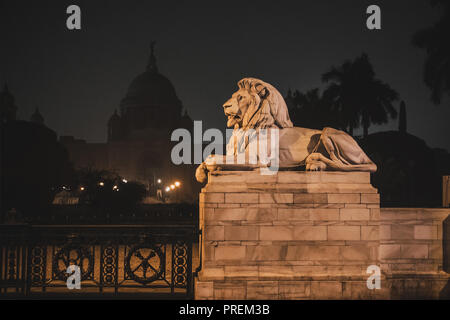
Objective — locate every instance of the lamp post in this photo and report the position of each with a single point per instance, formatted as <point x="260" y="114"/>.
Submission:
<point x="159" y="194"/>
<point x="172" y="188"/>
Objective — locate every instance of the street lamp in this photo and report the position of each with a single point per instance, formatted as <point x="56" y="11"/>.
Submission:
<point x="159" y="180"/>
<point x="177" y="183"/>
<point x="167" y="189"/>
<point x="172" y="186"/>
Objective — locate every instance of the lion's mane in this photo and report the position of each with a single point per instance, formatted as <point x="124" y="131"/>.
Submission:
<point x="269" y="108"/>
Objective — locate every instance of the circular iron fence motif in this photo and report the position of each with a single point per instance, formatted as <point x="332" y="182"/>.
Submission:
<point x="144" y="264"/>
<point x="72" y="254"/>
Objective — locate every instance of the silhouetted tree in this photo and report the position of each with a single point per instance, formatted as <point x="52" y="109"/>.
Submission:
<point x="341" y="92"/>
<point x="409" y="172"/>
<point x="402" y="118"/>
<point x="107" y="191"/>
<point x="435" y="40"/>
<point x="359" y="97"/>
<point x="34" y="164"/>
<point x="312" y="110"/>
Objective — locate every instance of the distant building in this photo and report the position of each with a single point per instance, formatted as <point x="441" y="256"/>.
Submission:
<point x="8" y="108"/>
<point x="36" y="117"/>
<point x="138" y="146"/>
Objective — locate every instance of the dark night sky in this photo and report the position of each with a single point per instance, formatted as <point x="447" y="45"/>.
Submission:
<point x="77" y="78"/>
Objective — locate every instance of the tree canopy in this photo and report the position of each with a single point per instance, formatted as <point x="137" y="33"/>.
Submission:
<point x="359" y="97"/>
<point x="435" y="41"/>
<point x="354" y="97"/>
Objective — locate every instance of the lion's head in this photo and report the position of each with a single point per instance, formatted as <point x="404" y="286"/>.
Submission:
<point x="256" y="104"/>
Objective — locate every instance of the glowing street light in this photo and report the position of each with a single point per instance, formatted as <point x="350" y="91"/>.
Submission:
<point x="124" y="180"/>
<point x="177" y="183"/>
<point x="82" y="188"/>
<point x="101" y="183"/>
<point x="167" y="189"/>
<point x="159" y="180"/>
<point x="172" y="186"/>
<point x="115" y="188"/>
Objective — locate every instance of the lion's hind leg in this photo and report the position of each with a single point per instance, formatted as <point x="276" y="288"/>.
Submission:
<point x="344" y="152"/>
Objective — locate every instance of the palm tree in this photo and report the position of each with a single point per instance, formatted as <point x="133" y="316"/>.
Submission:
<point x="340" y="92"/>
<point x="359" y="97"/>
<point x="316" y="109"/>
<point x="435" y="40"/>
<point x="378" y="107"/>
<point x="311" y="109"/>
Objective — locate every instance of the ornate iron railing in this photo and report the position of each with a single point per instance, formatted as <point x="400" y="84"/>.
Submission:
<point x="114" y="260"/>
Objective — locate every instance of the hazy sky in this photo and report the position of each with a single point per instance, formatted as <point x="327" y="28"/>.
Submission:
<point x="77" y="78"/>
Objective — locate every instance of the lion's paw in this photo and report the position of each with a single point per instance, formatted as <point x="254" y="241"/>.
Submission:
<point x="201" y="174"/>
<point x="316" y="166"/>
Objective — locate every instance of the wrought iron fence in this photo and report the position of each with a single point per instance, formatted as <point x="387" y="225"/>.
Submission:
<point x="114" y="260"/>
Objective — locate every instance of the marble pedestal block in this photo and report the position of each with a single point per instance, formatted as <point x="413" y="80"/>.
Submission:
<point x="291" y="235"/>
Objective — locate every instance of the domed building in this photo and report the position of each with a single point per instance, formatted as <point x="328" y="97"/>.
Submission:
<point x="138" y="146"/>
<point x="8" y="108"/>
<point x="37" y="117"/>
<point x="150" y="107"/>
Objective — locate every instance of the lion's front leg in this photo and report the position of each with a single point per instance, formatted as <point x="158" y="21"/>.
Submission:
<point x="314" y="162"/>
<point x="210" y="164"/>
<point x="201" y="174"/>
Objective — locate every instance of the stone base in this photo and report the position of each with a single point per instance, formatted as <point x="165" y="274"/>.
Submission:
<point x="406" y="286"/>
<point x="312" y="235"/>
<point x="292" y="234"/>
<point x="419" y="285"/>
<point x="314" y="287"/>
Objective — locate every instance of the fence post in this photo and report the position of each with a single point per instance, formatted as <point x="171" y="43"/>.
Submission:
<point x="446" y="191"/>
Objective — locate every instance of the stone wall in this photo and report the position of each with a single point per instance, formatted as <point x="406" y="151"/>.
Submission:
<point x="412" y="251"/>
<point x="289" y="235"/>
<point x="446" y="191"/>
<point x="312" y="235"/>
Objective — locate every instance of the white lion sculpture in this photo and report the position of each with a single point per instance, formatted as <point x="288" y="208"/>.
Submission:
<point x="258" y="105"/>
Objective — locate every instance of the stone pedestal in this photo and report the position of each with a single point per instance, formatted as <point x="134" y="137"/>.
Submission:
<point x="292" y="235"/>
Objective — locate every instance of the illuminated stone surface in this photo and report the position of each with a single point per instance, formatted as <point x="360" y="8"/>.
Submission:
<point x="312" y="235"/>
<point x="258" y="106"/>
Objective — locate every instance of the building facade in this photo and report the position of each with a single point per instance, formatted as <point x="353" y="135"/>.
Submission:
<point x="138" y="143"/>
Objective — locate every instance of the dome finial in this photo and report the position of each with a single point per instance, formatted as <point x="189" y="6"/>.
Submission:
<point x="37" y="117"/>
<point x="152" y="60"/>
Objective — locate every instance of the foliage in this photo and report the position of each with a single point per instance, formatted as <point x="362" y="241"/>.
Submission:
<point x="312" y="110"/>
<point x="107" y="191"/>
<point x="358" y="97"/>
<point x="435" y="40"/>
<point x="353" y="98"/>
<point x="33" y="165"/>
<point x="409" y="172"/>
